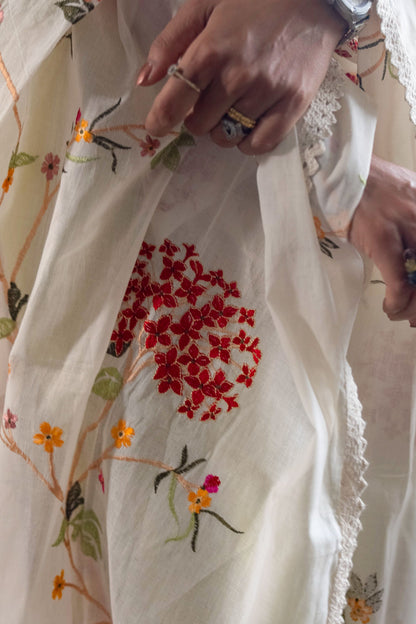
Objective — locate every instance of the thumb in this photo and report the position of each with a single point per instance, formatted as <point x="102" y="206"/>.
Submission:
<point x="389" y="260"/>
<point x="173" y="41"/>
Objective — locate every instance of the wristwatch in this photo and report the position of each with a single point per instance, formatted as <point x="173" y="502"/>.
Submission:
<point x="355" y="13"/>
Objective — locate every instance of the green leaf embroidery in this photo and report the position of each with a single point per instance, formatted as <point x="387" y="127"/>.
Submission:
<point x="195" y="534"/>
<point x="62" y="531"/>
<point x="185" y="139"/>
<point x="80" y="159"/>
<point x="87" y="547"/>
<point x="108" y="383"/>
<point x="170" y="156"/>
<point x="221" y="519"/>
<point x="171" y="499"/>
<point x="19" y="159"/>
<point x="91" y="529"/>
<point x="190" y="527"/>
<point x="87" y="527"/>
<point x="7" y="325"/>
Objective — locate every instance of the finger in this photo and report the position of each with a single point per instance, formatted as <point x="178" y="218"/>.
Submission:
<point x="234" y="86"/>
<point x="387" y="253"/>
<point x="274" y="125"/>
<point x="253" y="105"/>
<point x="173" y="41"/>
<point x="408" y="313"/>
<point x="199" y="64"/>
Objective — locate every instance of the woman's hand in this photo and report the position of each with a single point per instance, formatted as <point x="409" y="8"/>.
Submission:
<point x="266" y="58"/>
<point x="383" y="226"/>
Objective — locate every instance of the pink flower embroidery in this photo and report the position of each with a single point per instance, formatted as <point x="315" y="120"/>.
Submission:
<point x="211" y="484"/>
<point x="10" y="420"/>
<point x="50" y="166"/>
<point x="149" y="146"/>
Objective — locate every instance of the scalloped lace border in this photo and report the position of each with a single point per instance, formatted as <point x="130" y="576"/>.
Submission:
<point x="350" y="504"/>
<point x="318" y="120"/>
<point x="400" y="58"/>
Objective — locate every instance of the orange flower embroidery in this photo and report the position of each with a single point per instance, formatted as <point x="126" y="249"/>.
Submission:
<point x="82" y="133"/>
<point x="198" y="499"/>
<point x="8" y="180"/>
<point x="122" y="434"/>
<point x="359" y="610"/>
<point x="58" y="586"/>
<point x="49" y="437"/>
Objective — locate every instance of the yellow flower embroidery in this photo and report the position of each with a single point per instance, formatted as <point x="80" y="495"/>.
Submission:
<point x="82" y="133"/>
<point x="8" y="180"/>
<point x="198" y="499"/>
<point x="58" y="586"/>
<point x="49" y="437"/>
<point x="122" y="434"/>
<point x="359" y="610"/>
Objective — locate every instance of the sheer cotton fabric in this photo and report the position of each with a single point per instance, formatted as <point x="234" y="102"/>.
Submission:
<point x="181" y="437"/>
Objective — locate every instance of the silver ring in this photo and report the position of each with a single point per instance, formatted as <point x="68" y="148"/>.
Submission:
<point x="176" y="71"/>
<point x="233" y="130"/>
<point x="235" y="125"/>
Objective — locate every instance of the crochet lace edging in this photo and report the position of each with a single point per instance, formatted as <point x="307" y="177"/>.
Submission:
<point x="319" y="119"/>
<point x="350" y="504"/>
<point x="399" y="57"/>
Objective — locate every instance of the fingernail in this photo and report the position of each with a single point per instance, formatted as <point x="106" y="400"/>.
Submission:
<point x="144" y="73"/>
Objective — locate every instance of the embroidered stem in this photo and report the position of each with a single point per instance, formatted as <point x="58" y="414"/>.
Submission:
<point x="8" y="80"/>
<point x="81" y="441"/>
<point x="83" y="589"/>
<point x="94" y="426"/>
<point x="134" y="373"/>
<point x="371" y="69"/>
<point x="378" y="33"/>
<point x="4" y="281"/>
<point x="57" y="487"/>
<point x="187" y="485"/>
<point x="95" y="464"/>
<point x="21" y="256"/>
<point x="12" y="446"/>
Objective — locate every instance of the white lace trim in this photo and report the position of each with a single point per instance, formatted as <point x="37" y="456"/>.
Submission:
<point x="350" y="504"/>
<point x="388" y="14"/>
<point x="318" y="120"/>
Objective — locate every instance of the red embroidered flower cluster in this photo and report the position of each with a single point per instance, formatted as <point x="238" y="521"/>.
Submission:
<point x="186" y="320"/>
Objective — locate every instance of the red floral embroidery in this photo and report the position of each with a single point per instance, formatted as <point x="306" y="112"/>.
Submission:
<point x="157" y="332"/>
<point x="147" y="250"/>
<point x="168" y="371"/>
<point x="168" y="248"/>
<point x="220" y="348"/>
<point x="186" y="330"/>
<point x="194" y="359"/>
<point x="246" y="316"/>
<point x="201" y="347"/>
<point x="246" y="376"/>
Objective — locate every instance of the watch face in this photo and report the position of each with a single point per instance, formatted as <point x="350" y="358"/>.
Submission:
<point x="358" y="8"/>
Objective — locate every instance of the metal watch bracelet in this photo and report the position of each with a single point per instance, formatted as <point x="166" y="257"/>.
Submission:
<point x="355" y="13"/>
